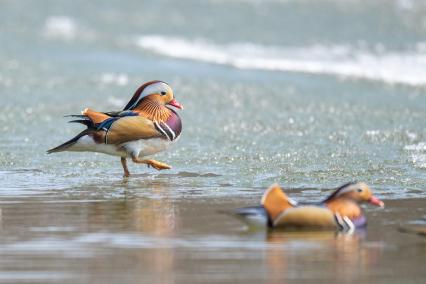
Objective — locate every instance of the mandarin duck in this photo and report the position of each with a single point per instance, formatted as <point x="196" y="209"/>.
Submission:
<point x="144" y="127"/>
<point x="417" y="227"/>
<point x="418" y="230"/>
<point x="340" y="210"/>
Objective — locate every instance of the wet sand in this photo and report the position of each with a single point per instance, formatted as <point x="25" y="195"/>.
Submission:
<point x="184" y="240"/>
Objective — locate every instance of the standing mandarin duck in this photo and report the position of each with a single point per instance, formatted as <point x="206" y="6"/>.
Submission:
<point x="341" y="210"/>
<point x="144" y="127"/>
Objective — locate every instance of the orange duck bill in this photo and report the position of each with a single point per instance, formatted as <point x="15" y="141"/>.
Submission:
<point x="176" y="104"/>
<point x="375" y="201"/>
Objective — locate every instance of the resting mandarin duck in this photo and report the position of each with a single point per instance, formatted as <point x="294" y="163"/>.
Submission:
<point x="341" y="210"/>
<point x="144" y="127"/>
<point x="418" y="228"/>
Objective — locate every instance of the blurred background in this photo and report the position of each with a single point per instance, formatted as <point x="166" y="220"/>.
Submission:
<point x="307" y="93"/>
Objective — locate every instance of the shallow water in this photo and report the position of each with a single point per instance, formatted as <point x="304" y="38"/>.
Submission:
<point x="310" y="94"/>
<point x="167" y="239"/>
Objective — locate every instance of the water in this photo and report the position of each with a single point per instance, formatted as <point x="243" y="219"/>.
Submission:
<point x="310" y="94"/>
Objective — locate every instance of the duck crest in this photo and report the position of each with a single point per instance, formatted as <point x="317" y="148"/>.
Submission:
<point x="136" y="98"/>
<point x="339" y="191"/>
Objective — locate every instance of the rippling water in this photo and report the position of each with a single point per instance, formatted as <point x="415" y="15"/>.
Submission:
<point x="310" y="94"/>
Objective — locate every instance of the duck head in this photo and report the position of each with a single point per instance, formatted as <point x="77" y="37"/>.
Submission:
<point x="157" y="92"/>
<point x="357" y="191"/>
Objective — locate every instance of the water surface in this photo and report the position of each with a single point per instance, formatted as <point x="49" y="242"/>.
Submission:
<point x="310" y="94"/>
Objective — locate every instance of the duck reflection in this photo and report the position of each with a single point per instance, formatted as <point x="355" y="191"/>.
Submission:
<point x="149" y="221"/>
<point x="322" y="252"/>
<point x="158" y="217"/>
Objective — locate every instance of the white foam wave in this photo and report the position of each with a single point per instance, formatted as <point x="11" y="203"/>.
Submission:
<point x="419" y="161"/>
<point x="418" y="156"/>
<point x="344" y="61"/>
<point x="60" y="27"/>
<point x="416" y="147"/>
<point x="119" y="79"/>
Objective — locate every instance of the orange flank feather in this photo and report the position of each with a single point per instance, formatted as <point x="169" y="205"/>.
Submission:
<point x="306" y="217"/>
<point x="94" y="116"/>
<point x="275" y="201"/>
<point x="130" y="129"/>
<point x="344" y="207"/>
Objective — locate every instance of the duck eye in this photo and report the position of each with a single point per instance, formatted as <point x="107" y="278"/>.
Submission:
<point x="163" y="93"/>
<point x="359" y="189"/>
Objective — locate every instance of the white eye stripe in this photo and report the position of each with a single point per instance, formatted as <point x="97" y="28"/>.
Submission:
<point x="155" y="88"/>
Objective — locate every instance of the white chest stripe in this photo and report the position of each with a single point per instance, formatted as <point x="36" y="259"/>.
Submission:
<point x="166" y="132"/>
<point x="171" y="131"/>
<point x="157" y="125"/>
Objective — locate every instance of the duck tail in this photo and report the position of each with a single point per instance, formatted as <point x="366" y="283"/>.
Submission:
<point x="65" y="146"/>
